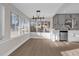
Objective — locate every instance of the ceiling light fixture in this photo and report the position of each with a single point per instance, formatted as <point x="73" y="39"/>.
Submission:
<point x="38" y="15"/>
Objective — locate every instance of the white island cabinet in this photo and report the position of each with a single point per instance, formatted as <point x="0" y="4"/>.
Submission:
<point x="73" y="36"/>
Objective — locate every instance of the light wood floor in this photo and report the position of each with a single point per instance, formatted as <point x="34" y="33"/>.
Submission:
<point x="43" y="47"/>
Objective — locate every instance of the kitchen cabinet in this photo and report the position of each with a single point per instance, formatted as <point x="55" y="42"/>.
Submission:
<point x="55" y="22"/>
<point x="59" y="21"/>
<point x="75" y="21"/>
<point x="73" y="36"/>
<point x="66" y="22"/>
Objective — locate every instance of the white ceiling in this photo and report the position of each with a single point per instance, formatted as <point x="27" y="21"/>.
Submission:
<point x="47" y="9"/>
<point x="70" y="8"/>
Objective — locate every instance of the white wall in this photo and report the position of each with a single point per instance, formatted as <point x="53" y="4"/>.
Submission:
<point x="6" y="21"/>
<point x="1" y="20"/>
<point x="8" y="45"/>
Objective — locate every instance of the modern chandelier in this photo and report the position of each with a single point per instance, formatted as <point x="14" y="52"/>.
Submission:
<point x="38" y="15"/>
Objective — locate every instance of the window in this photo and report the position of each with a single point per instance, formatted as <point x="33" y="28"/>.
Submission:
<point x="23" y="25"/>
<point x="32" y="26"/>
<point x="26" y="26"/>
<point x="14" y="25"/>
<point x="19" y="25"/>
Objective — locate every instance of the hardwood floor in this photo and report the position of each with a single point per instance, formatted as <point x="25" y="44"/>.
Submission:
<point x="43" y="47"/>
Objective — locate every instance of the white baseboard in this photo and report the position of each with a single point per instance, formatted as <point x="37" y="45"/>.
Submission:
<point x="13" y="49"/>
